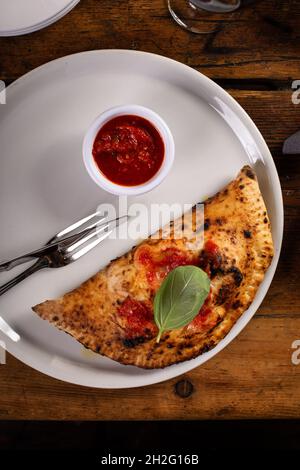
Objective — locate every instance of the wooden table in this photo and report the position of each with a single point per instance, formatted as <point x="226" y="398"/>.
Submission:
<point x="254" y="54"/>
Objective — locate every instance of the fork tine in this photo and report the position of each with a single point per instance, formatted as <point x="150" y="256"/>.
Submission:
<point x="87" y="233"/>
<point x="80" y="223"/>
<point x="84" y="239"/>
<point x="90" y="246"/>
<point x="80" y="246"/>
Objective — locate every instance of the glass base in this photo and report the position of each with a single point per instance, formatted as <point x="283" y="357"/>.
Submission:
<point x="197" y="16"/>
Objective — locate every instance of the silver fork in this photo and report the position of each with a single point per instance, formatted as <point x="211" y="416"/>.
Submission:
<point x="63" y="248"/>
<point x="68" y="234"/>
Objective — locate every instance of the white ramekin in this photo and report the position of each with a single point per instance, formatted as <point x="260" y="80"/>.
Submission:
<point x="92" y="168"/>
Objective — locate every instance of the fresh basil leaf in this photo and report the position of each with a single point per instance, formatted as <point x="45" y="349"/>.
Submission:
<point x="180" y="297"/>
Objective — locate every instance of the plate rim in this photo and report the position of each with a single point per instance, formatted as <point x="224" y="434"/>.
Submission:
<point x="146" y="380"/>
<point x="41" y="25"/>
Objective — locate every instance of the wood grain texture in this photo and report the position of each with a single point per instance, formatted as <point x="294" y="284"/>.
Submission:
<point x="255" y="55"/>
<point x="252" y="378"/>
<point x="260" y="40"/>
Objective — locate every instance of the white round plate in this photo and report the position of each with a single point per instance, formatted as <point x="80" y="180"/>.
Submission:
<point x="44" y="186"/>
<point x="25" y="16"/>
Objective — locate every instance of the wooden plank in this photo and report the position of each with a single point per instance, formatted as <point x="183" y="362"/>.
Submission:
<point x="253" y="377"/>
<point x="258" y="41"/>
<point x="274" y="114"/>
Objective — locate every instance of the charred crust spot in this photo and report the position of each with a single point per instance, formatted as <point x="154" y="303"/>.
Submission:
<point x="218" y="270"/>
<point x="55" y="318"/>
<point x="210" y="262"/>
<point x="241" y="186"/>
<point x="132" y="342"/>
<point x="222" y="295"/>
<point x="237" y="275"/>
<point x="207" y="347"/>
<point x="250" y="174"/>
<point x="236" y="305"/>
<point x="247" y="234"/>
<point x="184" y="345"/>
<point x="97" y="349"/>
<point x="206" y="224"/>
<point x="265" y="220"/>
<point x="219" y="221"/>
<point x="170" y="346"/>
